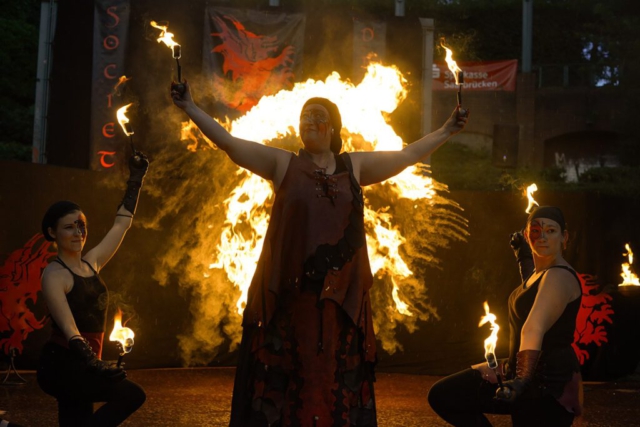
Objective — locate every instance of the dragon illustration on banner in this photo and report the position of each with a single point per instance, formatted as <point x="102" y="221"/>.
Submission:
<point x="19" y="287"/>
<point x="595" y="312"/>
<point x="254" y="65"/>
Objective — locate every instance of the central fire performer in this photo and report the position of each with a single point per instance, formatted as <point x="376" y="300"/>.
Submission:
<point x="308" y="349"/>
<point x="544" y="386"/>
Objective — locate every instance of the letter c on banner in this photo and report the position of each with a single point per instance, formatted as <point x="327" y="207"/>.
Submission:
<point x="106" y="71"/>
<point x="111" y="12"/>
<point x="368" y="34"/>
<point x="107" y="130"/>
<point x="103" y="158"/>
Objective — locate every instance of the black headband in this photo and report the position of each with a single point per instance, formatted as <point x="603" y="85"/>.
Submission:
<point x="550" y="212"/>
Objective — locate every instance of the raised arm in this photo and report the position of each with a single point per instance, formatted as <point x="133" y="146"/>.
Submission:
<point x="377" y="166"/>
<point x="268" y="162"/>
<point x="102" y="253"/>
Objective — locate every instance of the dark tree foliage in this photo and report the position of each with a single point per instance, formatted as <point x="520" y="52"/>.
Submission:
<point x="18" y="59"/>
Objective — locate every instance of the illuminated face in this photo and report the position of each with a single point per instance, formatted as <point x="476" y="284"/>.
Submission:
<point x="71" y="232"/>
<point x="315" y="128"/>
<point x="545" y="236"/>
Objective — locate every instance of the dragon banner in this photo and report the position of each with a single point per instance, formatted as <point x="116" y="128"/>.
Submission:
<point x="251" y="54"/>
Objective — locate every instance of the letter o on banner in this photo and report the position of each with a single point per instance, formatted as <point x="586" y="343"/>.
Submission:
<point x="111" y="42"/>
<point x="367" y="34"/>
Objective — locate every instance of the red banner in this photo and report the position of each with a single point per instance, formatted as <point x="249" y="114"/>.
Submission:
<point x="251" y="54"/>
<point x="490" y="75"/>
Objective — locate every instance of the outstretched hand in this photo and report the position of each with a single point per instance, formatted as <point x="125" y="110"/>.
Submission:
<point x="181" y="98"/>
<point x="457" y="121"/>
<point x="138" y="166"/>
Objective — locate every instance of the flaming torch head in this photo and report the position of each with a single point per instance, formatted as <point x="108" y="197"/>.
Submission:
<point x="124" y="120"/>
<point x="453" y="66"/>
<point x="123" y="335"/>
<point x="177" y="51"/>
<point x="492" y="340"/>
<point x="529" y="191"/>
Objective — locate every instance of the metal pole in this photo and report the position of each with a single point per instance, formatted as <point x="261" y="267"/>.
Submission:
<point x="527" y="34"/>
<point x="48" y="16"/>
<point x="428" y="27"/>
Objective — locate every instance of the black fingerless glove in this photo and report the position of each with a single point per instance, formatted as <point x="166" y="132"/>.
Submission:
<point x="138" y="166"/>
<point x="82" y="351"/>
<point x="522" y="251"/>
<point x="526" y="364"/>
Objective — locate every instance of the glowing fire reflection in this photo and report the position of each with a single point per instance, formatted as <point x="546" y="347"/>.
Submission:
<point x="491" y="342"/>
<point x="529" y="193"/>
<point x="121" y="334"/>
<point x="629" y="278"/>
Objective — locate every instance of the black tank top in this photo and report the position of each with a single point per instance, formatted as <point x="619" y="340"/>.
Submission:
<point x="558" y="361"/>
<point x="88" y="301"/>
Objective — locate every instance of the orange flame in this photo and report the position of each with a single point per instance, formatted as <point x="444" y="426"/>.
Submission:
<point x="629" y="278"/>
<point x="453" y="66"/>
<point x="121" y="334"/>
<point x="124" y="120"/>
<point x="363" y="110"/>
<point x="529" y="192"/>
<point x="122" y="80"/>
<point x="491" y="342"/>
<point x="165" y="36"/>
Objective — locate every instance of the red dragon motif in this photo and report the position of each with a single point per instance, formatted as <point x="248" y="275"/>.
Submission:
<point x="19" y="285"/>
<point x="594" y="312"/>
<point x="249" y="62"/>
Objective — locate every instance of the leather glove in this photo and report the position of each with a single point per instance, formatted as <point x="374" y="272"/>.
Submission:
<point x="82" y="351"/>
<point x="138" y="166"/>
<point x="522" y="252"/>
<point x="526" y="364"/>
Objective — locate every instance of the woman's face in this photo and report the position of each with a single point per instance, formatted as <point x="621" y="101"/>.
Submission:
<point x="315" y="128"/>
<point x="545" y="237"/>
<point x="71" y="232"/>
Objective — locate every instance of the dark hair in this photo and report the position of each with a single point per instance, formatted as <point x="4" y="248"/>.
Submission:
<point x="550" y="212"/>
<point x="336" y="121"/>
<point x="54" y="213"/>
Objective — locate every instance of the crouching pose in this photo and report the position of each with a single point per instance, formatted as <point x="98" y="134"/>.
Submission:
<point x="544" y="384"/>
<point x="70" y="368"/>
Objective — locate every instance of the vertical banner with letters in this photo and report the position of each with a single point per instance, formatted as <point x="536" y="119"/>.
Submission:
<point x="369" y="37"/>
<point x="250" y="54"/>
<point x="110" y="31"/>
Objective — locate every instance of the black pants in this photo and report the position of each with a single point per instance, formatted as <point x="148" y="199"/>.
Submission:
<point x="76" y="390"/>
<point x="462" y="399"/>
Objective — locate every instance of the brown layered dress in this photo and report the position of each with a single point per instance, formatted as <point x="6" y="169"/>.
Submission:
<point x="308" y="348"/>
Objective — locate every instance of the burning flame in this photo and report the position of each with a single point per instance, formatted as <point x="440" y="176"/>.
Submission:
<point x="629" y="278"/>
<point x="122" y="80"/>
<point x="492" y="340"/>
<point x="165" y="36"/>
<point x="529" y="192"/>
<point x="364" y="109"/>
<point x="123" y="120"/>
<point x="121" y="334"/>
<point x="453" y="66"/>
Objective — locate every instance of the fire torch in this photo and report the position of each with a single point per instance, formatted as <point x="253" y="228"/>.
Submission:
<point x="123" y="335"/>
<point x="126" y="126"/>
<point x="176" y="51"/>
<point x="490" y="342"/>
<point x="457" y="72"/>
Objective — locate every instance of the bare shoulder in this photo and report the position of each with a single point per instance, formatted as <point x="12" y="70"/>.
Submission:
<point x="561" y="280"/>
<point x="56" y="276"/>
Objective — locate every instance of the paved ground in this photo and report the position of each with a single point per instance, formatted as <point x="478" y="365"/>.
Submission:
<point x="201" y="397"/>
